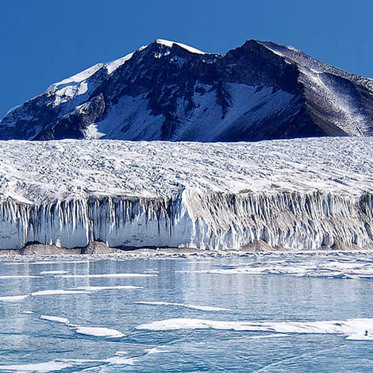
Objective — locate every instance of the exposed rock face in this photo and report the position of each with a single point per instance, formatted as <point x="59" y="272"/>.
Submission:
<point x="168" y="91"/>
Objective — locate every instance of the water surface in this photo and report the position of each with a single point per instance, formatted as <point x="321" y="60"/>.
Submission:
<point x="255" y="313"/>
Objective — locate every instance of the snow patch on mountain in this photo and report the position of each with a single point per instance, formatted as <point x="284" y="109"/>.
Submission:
<point x="131" y="119"/>
<point x="353" y="122"/>
<point x="77" y="78"/>
<point x="92" y="133"/>
<point x="112" y="66"/>
<point x="69" y="93"/>
<point x="77" y="84"/>
<point x="69" y="88"/>
<point x="208" y="121"/>
<point x="170" y="44"/>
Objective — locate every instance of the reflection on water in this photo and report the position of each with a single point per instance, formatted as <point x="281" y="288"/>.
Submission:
<point x="253" y="313"/>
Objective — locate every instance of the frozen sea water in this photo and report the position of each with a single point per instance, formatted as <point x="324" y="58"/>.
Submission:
<point x="255" y="313"/>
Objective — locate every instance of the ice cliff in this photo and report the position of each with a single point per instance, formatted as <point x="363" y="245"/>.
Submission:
<point x="296" y="194"/>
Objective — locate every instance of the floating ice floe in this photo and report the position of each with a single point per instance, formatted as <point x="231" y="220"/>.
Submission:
<point x="201" y="308"/>
<point x="58" y="292"/>
<point x="53" y="272"/>
<point x="300" y="265"/>
<point x="49" y="366"/>
<point x="108" y="275"/>
<point x="100" y="288"/>
<point x="62" y="320"/>
<point x="18" y="277"/>
<point x="71" y="291"/>
<point x="98" y="332"/>
<point x="13" y="298"/>
<point x="352" y="328"/>
<point x="85" y="330"/>
<point x="61" y="364"/>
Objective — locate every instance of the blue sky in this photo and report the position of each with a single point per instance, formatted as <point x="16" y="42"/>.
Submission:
<point x="44" y="41"/>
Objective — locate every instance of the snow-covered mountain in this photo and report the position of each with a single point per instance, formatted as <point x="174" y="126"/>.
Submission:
<point x="169" y="91"/>
<point x="296" y="194"/>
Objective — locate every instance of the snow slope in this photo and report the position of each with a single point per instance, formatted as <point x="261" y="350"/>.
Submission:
<point x="169" y="44"/>
<point x="332" y="91"/>
<point x="130" y="118"/>
<point x="299" y="194"/>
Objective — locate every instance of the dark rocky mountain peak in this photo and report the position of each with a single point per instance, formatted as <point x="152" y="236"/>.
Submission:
<point x="170" y="91"/>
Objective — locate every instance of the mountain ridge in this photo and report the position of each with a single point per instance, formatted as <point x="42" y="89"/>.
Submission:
<point x="170" y="91"/>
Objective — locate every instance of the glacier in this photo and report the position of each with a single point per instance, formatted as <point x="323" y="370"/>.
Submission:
<point x="300" y="194"/>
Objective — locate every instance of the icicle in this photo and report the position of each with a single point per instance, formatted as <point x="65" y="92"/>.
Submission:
<point x="211" y="221"/>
